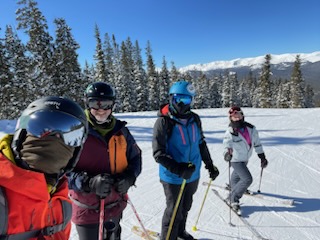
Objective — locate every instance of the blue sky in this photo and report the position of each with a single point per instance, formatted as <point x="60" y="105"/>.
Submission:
<point x="187" y="31"/>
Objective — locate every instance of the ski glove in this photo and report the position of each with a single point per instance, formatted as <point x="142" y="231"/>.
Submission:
<point x="186" y="170"/>
<point x="228" y="155"/>
<point x="123" y="185"/>
<point x="264" y="161"/>
<point x="81" y="181"/>
<point x="213" y="171"/>
<point x="101" y="185"/>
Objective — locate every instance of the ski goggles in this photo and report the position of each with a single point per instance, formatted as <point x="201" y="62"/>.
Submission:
<point x="97" y="104"/>
<point x="234" y="111"/>
<point x="52" y="123"/>
<point x="181" y="98"/>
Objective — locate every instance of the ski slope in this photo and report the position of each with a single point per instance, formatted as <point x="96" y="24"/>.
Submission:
<point x="291" y="140"/>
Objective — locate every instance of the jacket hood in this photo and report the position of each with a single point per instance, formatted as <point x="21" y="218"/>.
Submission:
<point x="164" y="110"/>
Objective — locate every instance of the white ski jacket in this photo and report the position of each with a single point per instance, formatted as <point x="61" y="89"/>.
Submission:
<point x="242" y="151"/>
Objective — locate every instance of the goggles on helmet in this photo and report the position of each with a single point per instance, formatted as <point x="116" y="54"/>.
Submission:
<point x="52" y="123"/>
<point x="185" y="99"/>
<point x="235" y="110"/>
<point x="97" y="104"/>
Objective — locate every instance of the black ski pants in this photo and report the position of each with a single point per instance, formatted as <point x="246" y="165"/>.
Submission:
<point x="171" y="192"/>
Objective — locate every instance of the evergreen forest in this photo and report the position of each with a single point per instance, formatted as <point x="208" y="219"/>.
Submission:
<point x="46" y="65"/>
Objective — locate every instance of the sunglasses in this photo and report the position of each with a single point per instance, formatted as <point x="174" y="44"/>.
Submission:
<point x="100" y="104"/>
<point x="180" y="98"/>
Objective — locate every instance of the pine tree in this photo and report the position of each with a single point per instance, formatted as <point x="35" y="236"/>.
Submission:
<point x="264" y="95"/>
<point x="109" y="59"/>
<point x="202" y="92"/>
<point x="101" y="73"/>
<point x="309" y="94"/>
<point x="67" y="72"/>
<point x="117" y="74"/>
<point x="174" y="73"/>
<point x="153" y="82"/>
<point x="283" y="95"/>
<point x="18" y="92"/>
<point x="230" y="89"/>
<point x="5" y="82"/>
<point x="140" y="79"/>
<point x="129" y="96"/>
<point x="164" y="83"/>
<point x="297" y="85"/>
<point x="39" y="45"/>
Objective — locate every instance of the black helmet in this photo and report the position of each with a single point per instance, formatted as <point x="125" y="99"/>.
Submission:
<point x="53" y="115"/>
<point x="99" y="90"/>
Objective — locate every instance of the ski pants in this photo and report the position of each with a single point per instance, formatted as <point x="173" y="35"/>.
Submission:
<point x="112" y="230"/>
<point x="171" y="192"/>
<point x="241" y="179"/>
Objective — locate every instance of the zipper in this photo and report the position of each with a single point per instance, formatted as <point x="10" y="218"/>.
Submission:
<point x="115" y="156"/>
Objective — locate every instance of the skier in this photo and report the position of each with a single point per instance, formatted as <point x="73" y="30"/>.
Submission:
<point x="48" y="139"/>
<point x="179" y="146"/>
<point x="239" y="140"/>
<point x="108" y="167"/>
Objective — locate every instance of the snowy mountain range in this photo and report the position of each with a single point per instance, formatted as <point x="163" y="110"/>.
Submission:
<point x="281" y="67"/>
<point x="284" y="60"/>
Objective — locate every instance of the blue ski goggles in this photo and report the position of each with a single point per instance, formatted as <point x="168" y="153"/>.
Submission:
<point x="97" y="104"/>
<point x="185" y="99"/>
<point x="53" y="123"/>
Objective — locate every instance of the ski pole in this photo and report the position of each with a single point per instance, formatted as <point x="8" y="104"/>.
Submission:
<point x="194" y="228"/>
<point x="101" y="220"/>
<point x="139" y="220"/>
<point x="176" y="208"/>
<point x="260" y="180"/>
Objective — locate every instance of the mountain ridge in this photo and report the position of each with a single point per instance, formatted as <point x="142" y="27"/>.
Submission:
<point x="253" y="62"/>
<point x="281" y="67"/>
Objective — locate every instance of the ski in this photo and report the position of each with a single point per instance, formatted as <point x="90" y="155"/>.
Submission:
<point x="289" y="202"/>
<point x="152" y="235"/>
<point x="243" y="220"/>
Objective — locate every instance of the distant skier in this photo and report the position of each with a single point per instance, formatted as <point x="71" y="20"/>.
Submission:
<point x="239" y="140"/>
<point x="179" y="148"/>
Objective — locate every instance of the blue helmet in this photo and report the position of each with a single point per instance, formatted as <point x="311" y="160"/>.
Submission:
<point x="181" y="96"/>
<point x="182" y="87"/>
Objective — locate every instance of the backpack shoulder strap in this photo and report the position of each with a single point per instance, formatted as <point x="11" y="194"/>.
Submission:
<point x="4" y="213"/>
<point x="168" y="126"/>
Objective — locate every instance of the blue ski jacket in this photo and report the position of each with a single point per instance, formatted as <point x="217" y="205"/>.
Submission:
<point x="181" y="146"/>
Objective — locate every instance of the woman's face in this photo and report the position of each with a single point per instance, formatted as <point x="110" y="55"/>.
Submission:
<point x="236" y="116"/>
<point x="101" y="115"/>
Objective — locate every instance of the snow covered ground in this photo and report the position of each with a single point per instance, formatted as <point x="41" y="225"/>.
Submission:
<point x="291" y="139"/>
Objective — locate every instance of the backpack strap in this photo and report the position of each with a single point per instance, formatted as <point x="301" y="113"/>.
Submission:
<point x="4" y="213"/>
<point x="50" y="230"/>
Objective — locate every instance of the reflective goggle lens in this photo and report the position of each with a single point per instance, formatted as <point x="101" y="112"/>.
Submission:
<point x="185" y="99"/>
<point x="44" y="123"/>
<point x="235" y="110"/>
<point x="100" y="104"/>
